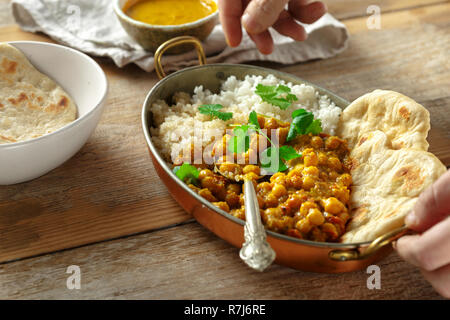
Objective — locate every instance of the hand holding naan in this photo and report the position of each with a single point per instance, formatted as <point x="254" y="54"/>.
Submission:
<point x="430" y="250"/>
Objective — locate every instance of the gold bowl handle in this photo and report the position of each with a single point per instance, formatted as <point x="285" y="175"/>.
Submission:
<point x="176" y="42"/>
<point x="355" y="254"/>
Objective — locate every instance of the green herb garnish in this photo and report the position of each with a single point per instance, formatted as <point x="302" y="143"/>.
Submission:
<point x="285" y="153"/>
<point x="279" y="96"/>
<point x="187" y="173"/>
<point x="240" y="143"/>
<point x="303" y="123"/>
<point x="213" y="110"/>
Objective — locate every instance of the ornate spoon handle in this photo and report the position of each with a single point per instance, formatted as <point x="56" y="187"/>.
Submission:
<point x="256" y="251"/>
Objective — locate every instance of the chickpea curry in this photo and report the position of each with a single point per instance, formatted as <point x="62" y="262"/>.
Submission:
<point x="307" y="194"/>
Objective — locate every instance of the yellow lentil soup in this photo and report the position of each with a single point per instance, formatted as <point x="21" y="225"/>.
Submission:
<point x="169" y="12"/>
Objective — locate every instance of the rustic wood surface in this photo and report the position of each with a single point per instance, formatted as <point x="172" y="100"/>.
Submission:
<point x="110" y="190"/>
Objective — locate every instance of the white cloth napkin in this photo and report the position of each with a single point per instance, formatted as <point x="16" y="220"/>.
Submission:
<point x="92" y="27"/>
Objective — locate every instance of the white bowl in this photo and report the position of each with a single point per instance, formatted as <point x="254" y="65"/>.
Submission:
<point x="83" y="79"/>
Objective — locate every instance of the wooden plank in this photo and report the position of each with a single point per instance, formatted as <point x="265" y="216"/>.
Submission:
<point x="346" y="9"/>
<point x="341" y="9"/>
<point x="189" y="262"/>
<point x="109" y="189"/>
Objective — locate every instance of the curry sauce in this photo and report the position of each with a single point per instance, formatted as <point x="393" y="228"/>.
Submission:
<point x="309" y="200"/>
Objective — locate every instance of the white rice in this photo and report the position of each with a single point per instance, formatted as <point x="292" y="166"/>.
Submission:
<point x="175" y="125"/>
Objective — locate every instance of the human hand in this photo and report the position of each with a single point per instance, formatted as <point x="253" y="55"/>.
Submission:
<point x="430" y="250"/>
<point x="257" y="16"/>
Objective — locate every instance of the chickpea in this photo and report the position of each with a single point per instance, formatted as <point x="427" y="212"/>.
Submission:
<point x="316" y="142"/>
<point x="294" y="233"/>
<point x="263" y="187"/>
<point x="205" y="173"/>
<point x="279" y="178"/>
<point x="311" y="171"/>
<point x="252" y="176"/>
<point x="304" y="209"/>
<point x="332" y="143"/>
<point x="345" y="179"/>
<point x="315" y="217"/>
<point x="205" y="193"/>
<point x="275" y="224"/>
<point x="231" y="168"/>
<point x="273" y="212"/>
<point x="294" y="202"/>
<point x="303" y="225"/>
<point x="270" y="200"/>
<point x="333" y="205"/>
<point x="308" y="182"/>
<point x="261" y="121"/>
<point x="232" y="199"/>
<point x="251" y="168"/>
<point x="343" y="194"/>
<point x="295" y="182"/>
<point x="332" y="175"/>
<point x="317" y="234"/>
<point x="282" y="134"/>
<point x="311" y="159"/>
<point x="234" y="187"/>
<point x="242" y="200"/>
<point x="260" y="201"/>
<point x="270" y="123"/>
<point x="299" y="167"/>
<point x="334" y="163"/>
<point x="344" y="216"/>
<point x="279" y="190"/>
<point x="322" y="158"/>
<point x="331" y="230"/>
<point x="239" y="213"/>
<point x="222" y="205"/>
<point x="251" y="156"/>
<point x="294" y="172"/>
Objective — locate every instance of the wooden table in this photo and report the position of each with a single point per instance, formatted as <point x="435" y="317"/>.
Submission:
<point x="106" y="211"/>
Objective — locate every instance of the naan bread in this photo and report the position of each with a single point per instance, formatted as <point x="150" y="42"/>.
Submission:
<point x="390" y="164"/>
<point x="31" y="104"/>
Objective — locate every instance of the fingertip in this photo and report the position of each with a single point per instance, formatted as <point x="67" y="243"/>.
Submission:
<point x="233" y="41"/>
<point x="411" y="220"/>
<point x="250" y="24"/>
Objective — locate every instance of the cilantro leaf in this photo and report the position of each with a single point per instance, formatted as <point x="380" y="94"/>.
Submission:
<point x="315" y="127"/>
<point x="303" y="123"/>
<point x="213" y="110"/>
<point x="271" y="161"/>
<point x="279" y="155"/>
<point x="288" y="153"/>
<point x="253" y="119"/>
<point x="279" y="96"/>
<point x="187" y="173"/>
<point x="240" y="142"/>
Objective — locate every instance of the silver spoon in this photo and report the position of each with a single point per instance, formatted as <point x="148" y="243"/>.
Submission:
<point x="256" y="252"/>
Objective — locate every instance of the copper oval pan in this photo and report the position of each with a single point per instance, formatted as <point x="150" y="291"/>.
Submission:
<point x="292" y="252"/>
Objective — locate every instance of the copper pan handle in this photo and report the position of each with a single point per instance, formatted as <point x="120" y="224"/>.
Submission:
<point x="375" y="245"/>
<point x="173" y="43"/>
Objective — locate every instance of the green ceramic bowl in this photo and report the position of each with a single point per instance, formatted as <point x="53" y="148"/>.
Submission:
<point x="150" y="37"/>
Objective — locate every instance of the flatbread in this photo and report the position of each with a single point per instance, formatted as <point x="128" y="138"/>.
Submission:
<point x="31" y="104"/>
<point x="387" y="132"/>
